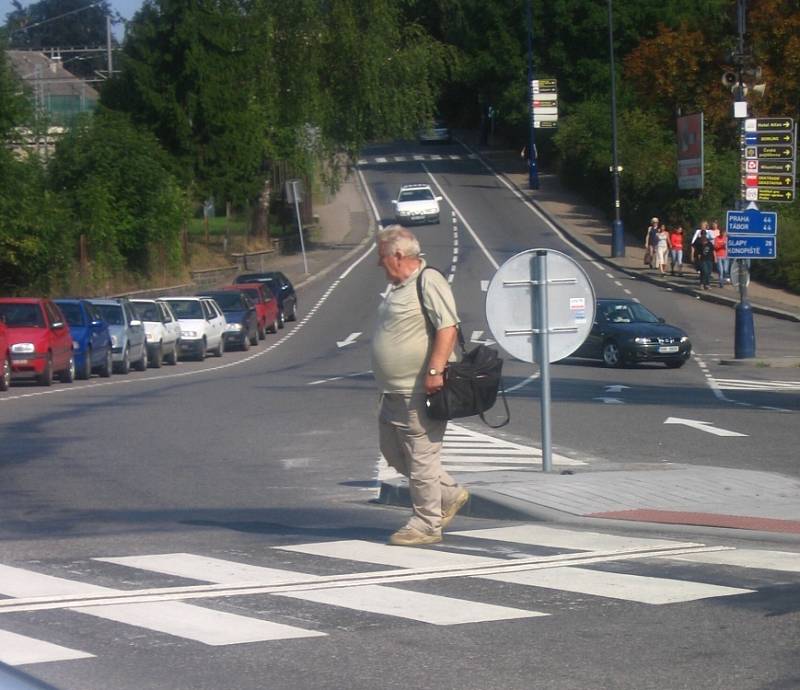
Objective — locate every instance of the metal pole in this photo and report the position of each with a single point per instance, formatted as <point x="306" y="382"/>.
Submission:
<point x="299" y="225"/>
<point x="533" y="172"/>
<point x="617" y="229"/>
<point x="109" y="62"/>
<point x="541" y="323"/>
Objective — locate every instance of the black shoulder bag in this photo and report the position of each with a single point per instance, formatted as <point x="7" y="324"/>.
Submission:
<point x="471" y="385"/>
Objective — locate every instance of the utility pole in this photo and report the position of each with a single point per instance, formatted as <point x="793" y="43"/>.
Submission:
<point x="617" y="228"/>
<point x="109" y="60"/>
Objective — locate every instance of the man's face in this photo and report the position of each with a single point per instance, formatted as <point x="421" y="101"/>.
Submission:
<point x="391" y="263"/>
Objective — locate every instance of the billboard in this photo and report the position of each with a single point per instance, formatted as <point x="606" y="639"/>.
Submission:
<point x="690" y="151"/>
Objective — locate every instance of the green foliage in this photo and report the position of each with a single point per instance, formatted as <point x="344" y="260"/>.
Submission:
<point x="14" y="107"/>
<point x="116" y="184"/>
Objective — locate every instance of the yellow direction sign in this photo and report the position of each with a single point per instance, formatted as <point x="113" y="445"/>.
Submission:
<point x="769" y="194"/>
<point x="769" y="152"/>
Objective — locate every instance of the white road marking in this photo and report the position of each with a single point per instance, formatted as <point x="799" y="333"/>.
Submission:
<point x="477" y="337"/>
<point x="645" y="590"/>
<point x="380" y="159"/>
<point x="785" y="561"/>
<point x="16" y="650"/>
<point x="339" y="378"/>
<point x="349" y="340"/>
<point x="616" y="388"/>
<point x="754" y="385"/>
<point x="523" y="383"/>
<point x="404" y="603"/>
<point x="610" y="401"/>
<point x="484" y="285"/>
<point x="708" y="427"/>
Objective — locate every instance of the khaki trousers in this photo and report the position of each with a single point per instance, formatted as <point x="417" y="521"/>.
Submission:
<point x="411" y="442"/>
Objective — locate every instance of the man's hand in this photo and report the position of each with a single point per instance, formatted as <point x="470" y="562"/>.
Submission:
<point x="433" y="383"/>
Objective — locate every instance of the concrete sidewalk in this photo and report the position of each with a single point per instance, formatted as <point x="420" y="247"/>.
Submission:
<point x="733" y="502"/>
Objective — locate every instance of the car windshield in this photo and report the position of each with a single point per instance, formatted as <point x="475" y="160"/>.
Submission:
<point x="627" y="312"/>
<point x="186" y="308"/>
<point x="253" y="294"/>
<point x="146" y="311"/>
<point x="416" y="195"/>
<point x="229" y="301"/>
<point x="72" y="313"/>
<point x="22" y="315"/>
<point x="111" y="314"/>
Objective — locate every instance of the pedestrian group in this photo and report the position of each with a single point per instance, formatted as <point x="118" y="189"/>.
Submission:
<point x="707" y="248"/>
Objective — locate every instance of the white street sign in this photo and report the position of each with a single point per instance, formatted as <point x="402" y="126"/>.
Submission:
<point x="708" y="427"/>
<point x="539" y="110"/>
<point x="349" y="340"/>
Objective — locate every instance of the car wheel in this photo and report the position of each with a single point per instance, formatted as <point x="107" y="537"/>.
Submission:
<point x="141" y="365"/>
<point x="68" y="375"/>
<point x="158" y="357"/>
<point x="5" y="375"/>
<point x="86" y="370"/>
<point x="675" y="363"/>
<point x="124" y="366"/>
<point x="172" y="357"/>
<point x="274" y="327"/>
<point x="281" y="319"/>
<point x="612" y="355"/>
<point x="254" y="338"/>
<point x="245" y="344"/>
<point x="293" y="314"/>
<point x="262" y="333"/>
<point x="220" y="348"/>
<point x="201" y="355"/>
<point x="46" y="377"/>
<point x="108" y="365"/>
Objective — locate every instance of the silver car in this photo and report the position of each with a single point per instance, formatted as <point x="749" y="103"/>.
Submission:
<point x="128" y="347"/>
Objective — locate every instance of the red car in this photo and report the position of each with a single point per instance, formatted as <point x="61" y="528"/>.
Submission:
<point x="5" y="371"/>
<point x="266" y="305"/>
<point x="39" y="340"/>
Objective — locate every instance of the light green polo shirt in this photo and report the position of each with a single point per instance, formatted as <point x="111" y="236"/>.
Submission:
<point x="401" y="344"/>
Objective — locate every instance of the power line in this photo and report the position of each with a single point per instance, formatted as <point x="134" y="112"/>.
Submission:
<point x="52" y="19"/>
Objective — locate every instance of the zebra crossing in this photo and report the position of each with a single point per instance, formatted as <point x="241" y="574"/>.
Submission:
<point x="364" y="577"/>
<point x="383" y="160"/>
<point x="755" y="385"/>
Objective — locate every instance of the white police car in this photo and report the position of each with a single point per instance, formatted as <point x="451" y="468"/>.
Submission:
<point x="416" y="203"/>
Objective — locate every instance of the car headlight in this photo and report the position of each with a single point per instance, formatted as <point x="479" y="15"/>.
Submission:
<point x="641" y="341"/>
<point x="234" y="327"/>
<point x="403" y="212"/>
<point x="685" y="339"/>
<point x="23" y="348"/>
<point x="432" y="209"/>
<point x="150" y="337"/>
<point x="188" y="334"/>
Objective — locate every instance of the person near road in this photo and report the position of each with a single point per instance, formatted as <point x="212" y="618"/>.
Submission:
<point x="721" y="256"/>
<point x="650" y="242"/>
<point x="662" y="248"/>
<point x="694" y="244"/>
<point x="704" y="251"/>
<point x="408" y="362"/>
<point x="676" y="250"/>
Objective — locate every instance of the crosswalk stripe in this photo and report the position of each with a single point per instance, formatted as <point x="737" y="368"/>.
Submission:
<point x="16" y="650"/>
<point x="751" y="385"/>
<point x="174" y="618"/>
<point x="404" y="603"/>
<point x="749" y="558"/>
<point x="382" y="554"/>
<point x="539" y="535"/>
<point x="207" y="569"/>
<point x="503" y="467"/>
<point x="638" y="588"/>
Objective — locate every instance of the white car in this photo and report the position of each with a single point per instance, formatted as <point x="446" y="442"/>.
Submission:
<point x="202" y="325"/>
<point x="161" y="330"/>
<point x="435" y="133"/>
<point x="416" y="203"/>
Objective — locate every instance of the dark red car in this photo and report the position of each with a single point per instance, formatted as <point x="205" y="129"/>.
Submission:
<point x="39" y="340"/>
<point x="5" y="365"/>
<point x="266" y="305"/>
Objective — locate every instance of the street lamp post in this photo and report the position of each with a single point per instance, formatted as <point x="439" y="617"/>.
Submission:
<point x="533" y="172"/>
<point x="617" y="228"/>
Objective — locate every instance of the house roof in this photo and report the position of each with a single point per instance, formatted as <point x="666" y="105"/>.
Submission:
<point x="37" y="68"/>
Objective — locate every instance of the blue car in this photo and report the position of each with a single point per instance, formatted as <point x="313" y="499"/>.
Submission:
<point x="240" y="314"/>
<point x="91" y="340"/>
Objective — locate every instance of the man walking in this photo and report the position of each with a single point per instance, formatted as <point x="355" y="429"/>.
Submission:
<point x="408" y="362"/>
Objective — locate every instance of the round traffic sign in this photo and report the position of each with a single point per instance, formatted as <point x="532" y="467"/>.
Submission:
<point x="511" y="310"/>
<point x="740" y="271"/>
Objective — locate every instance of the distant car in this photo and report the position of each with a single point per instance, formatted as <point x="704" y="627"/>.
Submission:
<point x="241" y="319"/>
<point x="416" y="203"/>
<point x="5" y="354"/>
<point x="202" y="325"/>
<point x="127" y="334"/>
<point x="266" y="305"/>
<point x="162" y="331"/>
<point x="435" y="133"/>
<point x="281" y="287"/>
<point x="91" y="338"/>
<point x="625" y="332"/>
<point x="38" y="338"/>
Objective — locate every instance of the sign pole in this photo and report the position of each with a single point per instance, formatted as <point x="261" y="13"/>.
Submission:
<point x="299" y="225"/>
<point x="541" y="326"/>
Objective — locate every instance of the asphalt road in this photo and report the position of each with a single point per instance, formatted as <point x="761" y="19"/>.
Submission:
<point x="168" y="484"/>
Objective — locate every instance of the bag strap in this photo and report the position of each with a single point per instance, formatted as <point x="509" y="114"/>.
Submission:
<point x="428" y="321"/>
<point x="432" y="329"/>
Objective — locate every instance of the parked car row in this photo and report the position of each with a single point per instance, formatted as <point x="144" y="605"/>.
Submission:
<point x="75" y="338"/>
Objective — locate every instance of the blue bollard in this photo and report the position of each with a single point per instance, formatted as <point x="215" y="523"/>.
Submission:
<point x="744" y="344"/>
<point x="617" y="239"/>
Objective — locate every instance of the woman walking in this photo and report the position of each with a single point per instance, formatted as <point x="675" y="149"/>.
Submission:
<point x="721" y="255"/>
<point x="676" y="250"/>
<point x="662" y="248"/>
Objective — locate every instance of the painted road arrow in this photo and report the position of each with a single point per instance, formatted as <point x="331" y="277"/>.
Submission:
<point x="610" y="401"/>
<point x="349" y="340"/>
<point x="615" y="388"/>
<point x="708" y="427"/>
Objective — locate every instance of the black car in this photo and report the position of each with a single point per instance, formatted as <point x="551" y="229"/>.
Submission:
<point x="240" y="313"/>
<point x="625" y="332"/>
<point x="281" y="288"/>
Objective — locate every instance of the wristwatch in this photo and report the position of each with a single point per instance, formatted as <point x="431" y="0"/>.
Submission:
<point x="433" y="372"/>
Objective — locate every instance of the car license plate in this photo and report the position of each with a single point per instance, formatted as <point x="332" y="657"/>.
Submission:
<point x="21" y="361"/>
<point x="668" y="348"/>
